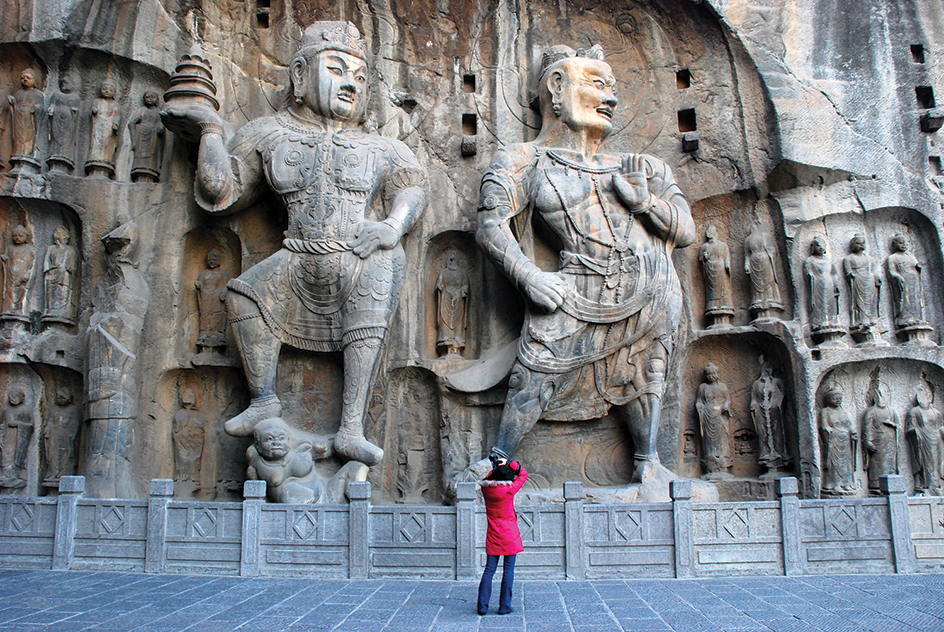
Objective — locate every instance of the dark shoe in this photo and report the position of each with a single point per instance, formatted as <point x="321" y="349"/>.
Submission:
<point x="482" y="612"/>
<point x="506" y="611"/>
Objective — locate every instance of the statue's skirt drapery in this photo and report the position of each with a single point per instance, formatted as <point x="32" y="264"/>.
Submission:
<point x="593" y="352"/>
<point x="320" y="302"/>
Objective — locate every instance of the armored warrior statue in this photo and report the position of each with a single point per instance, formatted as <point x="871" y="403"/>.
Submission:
<point x="865" y="287"/>
<point x="351" y="197"/>
<point x="147" y="140"/>
<point x="713" y="405"/>
<point x="760" y="264"/>
<point x="63" y="125"/>
<point x="716" y="262"/>
<point x="823" y="287"/>
<point x="598" y="330"/>
<point x="452" y="293"/>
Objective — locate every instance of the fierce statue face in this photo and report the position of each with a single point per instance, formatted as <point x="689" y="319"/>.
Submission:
<point x="272" y="442"/>
<point x="584" y="94"/>
<point x="332" y="84"/>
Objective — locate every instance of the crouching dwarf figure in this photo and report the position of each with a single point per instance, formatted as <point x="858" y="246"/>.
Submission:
<point x="285" y="459"/>
<point x="598" y="330"/>
<point x="350" y="197"/>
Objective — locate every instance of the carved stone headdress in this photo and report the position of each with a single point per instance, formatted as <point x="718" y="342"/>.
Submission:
<point x="558" y="53"/>
<point x="342" y="36"/>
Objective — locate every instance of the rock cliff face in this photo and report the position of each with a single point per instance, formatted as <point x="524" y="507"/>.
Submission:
<point x="805" y="133"/>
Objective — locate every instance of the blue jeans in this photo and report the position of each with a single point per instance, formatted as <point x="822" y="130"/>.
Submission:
<point x="485" y="586"/>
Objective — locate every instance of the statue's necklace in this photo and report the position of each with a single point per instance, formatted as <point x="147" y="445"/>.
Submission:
<point x="619" y="245"/>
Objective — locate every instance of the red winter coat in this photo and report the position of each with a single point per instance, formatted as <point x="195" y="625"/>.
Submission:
<point x="503" y="537"/>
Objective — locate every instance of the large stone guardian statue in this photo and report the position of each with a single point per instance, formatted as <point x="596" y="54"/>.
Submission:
<point x="114" y="336"/>
<point x="599" y="329"/>
<point x="350" y="196"/>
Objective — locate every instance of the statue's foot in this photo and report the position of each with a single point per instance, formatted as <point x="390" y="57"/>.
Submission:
<point x="259" y="409"/>
<point x="355" y="447"/>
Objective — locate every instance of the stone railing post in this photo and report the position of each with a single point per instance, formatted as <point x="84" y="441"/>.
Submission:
<point x="155" y="552"/>
<point x="465" y="531"/>
<point x="574" y="546"/>
<point x="787" y="489"/>
<point x="895" y="487"/>
<point x="359" y="534"/>
<point x="70" y="490"/>
<point x="254" y="493"/>
<point x="681" y="493"/>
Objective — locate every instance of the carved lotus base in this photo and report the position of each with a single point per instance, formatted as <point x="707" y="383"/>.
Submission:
<point x="99" y="169"/>
<point x="26" y="165"/>
<point x="916" y="334"/>
<point x="60" y="164"/>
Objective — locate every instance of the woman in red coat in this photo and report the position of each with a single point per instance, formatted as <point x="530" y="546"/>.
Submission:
<point x="503" y="537"/>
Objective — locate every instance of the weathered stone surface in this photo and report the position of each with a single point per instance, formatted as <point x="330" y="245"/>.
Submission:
<point x="815" y="124"/>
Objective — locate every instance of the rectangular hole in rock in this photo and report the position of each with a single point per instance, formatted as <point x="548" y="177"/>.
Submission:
<point x="686" y="120"/>
<point x="262" y="20"/>
<point x="683" y="79"/>
<point x="468" y="83"/>
<point x="934" y="164"/>
<point x="925" y="96"/>
<point x="469" y="124"/>
<point x="917" y="53"/>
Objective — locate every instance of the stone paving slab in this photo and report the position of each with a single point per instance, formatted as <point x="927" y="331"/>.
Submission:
<point x="73" y="601"/>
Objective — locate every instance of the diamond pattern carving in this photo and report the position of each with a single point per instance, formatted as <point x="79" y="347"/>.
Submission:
<point x="844" y="521"/>
<point x="205" y="523"/>
<point x="629" y="525"/>
<point x="22" y="518"/>
<point x="306" y="526"/>
<point x="112" y="519"/>
<point x="413" y="527"/>
<point x="735" y="523"/>
<point x="526" y="526"/>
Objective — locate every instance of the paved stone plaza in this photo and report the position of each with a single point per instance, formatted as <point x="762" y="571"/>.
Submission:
<point x="111" y="602"/>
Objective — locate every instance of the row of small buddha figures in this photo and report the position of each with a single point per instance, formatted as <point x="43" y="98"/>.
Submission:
<point x="60" y="437"/>
<point x="839" y="438"/>
<point x="823" y="286"/>
<point x="47" y="130"/>
<point x="60" y="267"/>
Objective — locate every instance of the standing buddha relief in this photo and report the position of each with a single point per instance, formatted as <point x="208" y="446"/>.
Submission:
<point x="715" y="259"/>
<point x="452" y="296"/>
<point x="904" y="271"/>
<point x="64" y="125"/>
<point x="822" y="280"/>
<point x="760" y="265"/>
<point x="865" y="292"/>
<point x="17" y="264"/>
<point x="351" y="196"/>
<point x="28" y="109"/>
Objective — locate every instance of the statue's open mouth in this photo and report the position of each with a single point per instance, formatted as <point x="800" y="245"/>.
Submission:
<point x="606" y="111"/>
<point x="347" y="97"/>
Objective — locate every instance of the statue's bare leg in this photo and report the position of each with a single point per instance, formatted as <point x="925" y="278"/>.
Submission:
<point x="361" y="363"/>
<point x="259" y="350"/>
<point x="522" y="408"/>
<point x="643" y="416"/>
